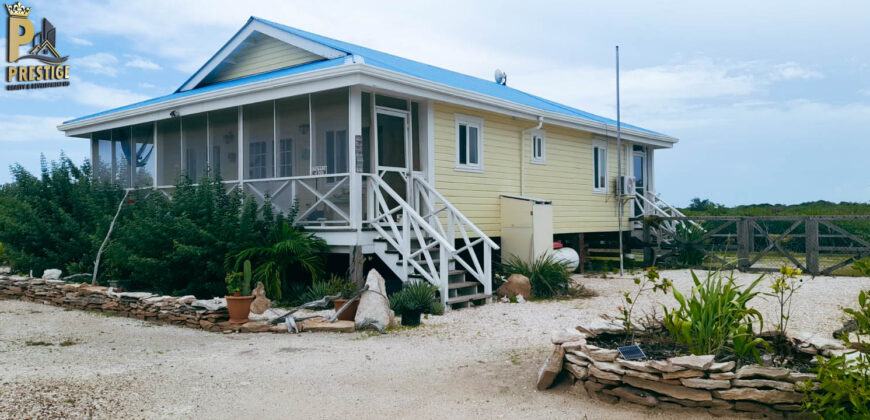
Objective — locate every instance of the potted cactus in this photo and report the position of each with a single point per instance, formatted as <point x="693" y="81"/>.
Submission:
<point x="240" y="299"/>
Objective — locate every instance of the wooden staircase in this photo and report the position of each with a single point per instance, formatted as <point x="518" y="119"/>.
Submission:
<point x="433" y="244"/>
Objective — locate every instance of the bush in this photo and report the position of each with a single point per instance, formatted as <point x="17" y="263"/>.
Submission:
<point x="844" y="382"/>
<point x="335" y="285"/>
<point x="416" y="296"/>
<point x="715" y="313"/>
<point x="549" y="277"/>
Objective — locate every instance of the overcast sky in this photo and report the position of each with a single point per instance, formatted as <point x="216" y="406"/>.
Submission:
<point x="770" y="100"/>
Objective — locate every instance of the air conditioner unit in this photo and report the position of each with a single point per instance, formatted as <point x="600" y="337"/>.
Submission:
<point x="626" y="185"/>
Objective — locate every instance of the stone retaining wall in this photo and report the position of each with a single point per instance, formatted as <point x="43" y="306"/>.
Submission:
<point x="186" y="311"/>
<point x="687" y="381"/>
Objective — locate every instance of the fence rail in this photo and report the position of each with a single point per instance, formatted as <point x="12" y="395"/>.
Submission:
<point x="818" y="245"/>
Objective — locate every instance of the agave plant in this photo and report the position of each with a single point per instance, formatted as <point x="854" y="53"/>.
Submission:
<point x="287" y="247"/>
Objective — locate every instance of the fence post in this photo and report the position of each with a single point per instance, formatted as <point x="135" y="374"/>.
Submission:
<point x="647" y="244"/>
<point x="743" y="244"/>
<point x="812" y="245"/>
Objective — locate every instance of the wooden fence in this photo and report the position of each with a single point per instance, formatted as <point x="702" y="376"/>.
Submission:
<point x="819" y="245"/>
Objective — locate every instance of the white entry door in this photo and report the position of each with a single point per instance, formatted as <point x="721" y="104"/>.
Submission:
<point x="393" y="148"/>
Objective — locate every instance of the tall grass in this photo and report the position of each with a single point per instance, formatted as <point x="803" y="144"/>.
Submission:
<point x="549" y="277"/>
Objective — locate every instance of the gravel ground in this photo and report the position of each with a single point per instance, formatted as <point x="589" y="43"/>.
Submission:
<point x="471" y="363"/>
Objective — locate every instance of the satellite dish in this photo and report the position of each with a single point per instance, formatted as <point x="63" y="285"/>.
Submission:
<point x="500" y="77"/>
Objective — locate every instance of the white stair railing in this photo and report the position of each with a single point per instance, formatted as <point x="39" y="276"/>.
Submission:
<point x="450" y="222"/>
<point x="658" y="207"/>
<point x="386" y="220"/>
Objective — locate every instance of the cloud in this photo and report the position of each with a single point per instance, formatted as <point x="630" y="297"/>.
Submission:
<point x="793" y="71"/>
<point x="142" y="63"/>
<point x="29" y="128"/>
<point x="80" y="41"/>
<point x="99" y="63"/>
<point x="102" y="97"/>
<point x="144" y="85"/>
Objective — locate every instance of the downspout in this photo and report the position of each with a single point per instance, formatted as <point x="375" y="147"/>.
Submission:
<point x="523" y="153"/>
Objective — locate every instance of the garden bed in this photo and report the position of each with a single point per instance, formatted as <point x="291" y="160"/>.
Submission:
<point x="588" y="357"/>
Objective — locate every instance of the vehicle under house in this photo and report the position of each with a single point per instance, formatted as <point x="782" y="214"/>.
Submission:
<point x="408" y="161"/>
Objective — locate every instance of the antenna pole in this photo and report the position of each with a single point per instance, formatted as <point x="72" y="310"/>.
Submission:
<point x="619" y="179"/>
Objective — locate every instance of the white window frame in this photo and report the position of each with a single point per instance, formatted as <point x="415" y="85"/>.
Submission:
<point x="469" y="121"/>
<point x="539" y="158"/>
<point x="602" y="147"/>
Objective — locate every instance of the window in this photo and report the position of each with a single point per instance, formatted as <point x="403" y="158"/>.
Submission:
<point x="599" y="166"/>
<point x="257" y="160"/>
<point x="285" y="158"/>
<point x="469" y="143"/>
<point x="539" y="146"/>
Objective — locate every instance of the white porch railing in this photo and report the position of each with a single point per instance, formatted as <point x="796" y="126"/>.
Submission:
<point x="655" y="206"/>
<point x="450" y="223"/>
<point x="399" y="225"/>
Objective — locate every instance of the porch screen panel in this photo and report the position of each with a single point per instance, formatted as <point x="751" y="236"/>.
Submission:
<point x="143" y="155"/>
<point x="121" y="169"/>
<point x="367" y="132"/>
<point x="102" y="143"/>
<point x="169" y="151"/>
<point x="223" y="131"/>
<point x="415" y="137"/>
<point x="259" y="140"/>
<point x="294" y="136"/>
<point x="195" y="156"/>
<point x="330" y="117"/>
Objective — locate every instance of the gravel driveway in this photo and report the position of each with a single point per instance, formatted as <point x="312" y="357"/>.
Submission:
<point x="471" y="363"/>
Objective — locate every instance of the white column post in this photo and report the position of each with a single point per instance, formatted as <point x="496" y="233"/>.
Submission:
<point x="354" y="124"/>
<point x="156" y="155"/>
<point x="241" y="144"/>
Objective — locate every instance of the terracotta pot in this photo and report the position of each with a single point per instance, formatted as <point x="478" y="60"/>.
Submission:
<point x="239" y="308"/>
<point x="350" y="313"/>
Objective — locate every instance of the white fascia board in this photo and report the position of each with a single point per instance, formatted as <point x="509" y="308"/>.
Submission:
<point x="388" y="80"/>
<point x="297" y="84"/>
<point x="243" y="34"/>
<point x="373" y="77"/>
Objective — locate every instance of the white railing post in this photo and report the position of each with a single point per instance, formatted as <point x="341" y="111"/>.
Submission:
<point x="443" y="275"/>
<point x="406" y="241"/>
<point x="487" y="269"/>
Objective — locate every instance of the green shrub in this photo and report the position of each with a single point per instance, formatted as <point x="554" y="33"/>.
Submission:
<point x="2" y="255"/>
<point x="549" y="277"/>
<point x="415" y="296"/>
<point x="713" y="314"/>
<point x="862" y="266"/>
<point x="690" y="255"/>
<point x="844" y="382"/>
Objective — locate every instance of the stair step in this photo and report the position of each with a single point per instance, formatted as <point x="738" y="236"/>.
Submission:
<point x="450" y="273"/>
<point x="462" y="284"/>
<point x="467" y="298"/>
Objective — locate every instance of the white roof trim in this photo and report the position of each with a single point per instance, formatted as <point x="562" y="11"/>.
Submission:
<point x="380" y="79"/>
<point x="243" y="34"/>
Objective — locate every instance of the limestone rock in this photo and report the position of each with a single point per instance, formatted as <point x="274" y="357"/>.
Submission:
<point x="683" y="374"/>
<point x="801" y="377"/>
<point x="721" y="367"/>
<point x="693" y="362"/>
<point x="599" y="354"/>
<point x="601" y="326"/>
<point x="598" y="373"/>
<point x="722" y="375"/>
<point x="635" y="365"/>
<point x="577" y="360"/>
<point x="573" y="345"/>
<point x="676" y="391"/>
<point x="767" y="396"/>
<point x="757" y="408"/>
<point x="516" y="285"/>
<point x="609" y="367"/>
<point x="630" y="394"/>
<point x="579" y="372"/>
<point x="764" y="383"/>
<point x="642" y="375"/>
<point x="551" y="368"/>
<point x="321" y="325"/>
<point x="185" y="300"/>
<point x="705" y="383"/>
<point x="762" y="371"/>
<point x="566" y="335"/>
<point x="373" y="304"/>
<point x="254" y="327"/>
<point x="261" y="302"/>
<point x="51" y="274"/>
<point x="211" y="304"/>
<point x="664" y="366"/>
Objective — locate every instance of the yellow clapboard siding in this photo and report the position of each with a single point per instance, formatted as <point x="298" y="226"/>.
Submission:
<point x="566" y="179"/>
<point x="261" y="54"/>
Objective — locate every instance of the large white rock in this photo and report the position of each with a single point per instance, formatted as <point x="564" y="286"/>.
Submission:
<point x="373" y="304"/>
<point x="51" y="274"/>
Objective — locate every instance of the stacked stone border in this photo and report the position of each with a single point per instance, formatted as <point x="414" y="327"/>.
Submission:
<point x="185" y="311"/>
<point x="685" y="381"/>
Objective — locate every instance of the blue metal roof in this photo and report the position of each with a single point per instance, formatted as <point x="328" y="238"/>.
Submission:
<point x="392" y="63"/>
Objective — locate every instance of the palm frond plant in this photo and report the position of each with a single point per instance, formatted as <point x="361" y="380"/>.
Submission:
<point x="548" y="276"/>
<point x="414" y="299"/>
<point x="286" y="248"/>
